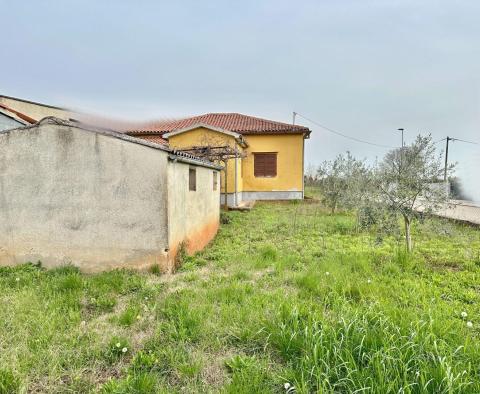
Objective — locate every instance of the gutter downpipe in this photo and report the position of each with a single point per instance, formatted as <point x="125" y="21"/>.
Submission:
<point x="303" y="168"/>
<point x="236" y="176"/>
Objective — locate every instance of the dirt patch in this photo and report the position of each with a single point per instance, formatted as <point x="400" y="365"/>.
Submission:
<point x="446" y="266"/>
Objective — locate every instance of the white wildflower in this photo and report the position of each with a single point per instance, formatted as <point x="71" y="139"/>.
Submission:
<point x="118" y="344"/>
<point x="463" y="314"/>
<point x="17" y="279"/>
<point x="327" y="273"/>
<point x="469" y="324"/>
<point x="124" y="350"/>
<point x="369" y="281"/>
<point x="286" y="386"/>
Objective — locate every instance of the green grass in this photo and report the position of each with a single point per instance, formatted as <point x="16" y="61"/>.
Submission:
<point x="287" y="293"/>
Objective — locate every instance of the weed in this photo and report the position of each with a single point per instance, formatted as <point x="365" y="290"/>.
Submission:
<point x="129" y="316"/>
<point x="101" y="303"/>
<point x="225" y="218"/>
<point x="144" y="362"/>
<point x="143" y="383"/>
<point x="9" y="383"/>
<point x="180" y="320"/>
<point x="155" y="269"/>
<point x="117" y="348"/>
<point x="249" y="375"/>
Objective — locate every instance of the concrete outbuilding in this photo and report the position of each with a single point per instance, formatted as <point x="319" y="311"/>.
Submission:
<point x="99" y="199"/>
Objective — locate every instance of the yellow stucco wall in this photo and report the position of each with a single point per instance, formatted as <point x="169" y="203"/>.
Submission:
<point x="289" y="150"/>
<point x="202" y="136"/>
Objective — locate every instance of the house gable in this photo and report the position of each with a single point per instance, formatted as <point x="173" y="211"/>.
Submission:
<point x="201" y="136"/>
<point x="210" y="135"/>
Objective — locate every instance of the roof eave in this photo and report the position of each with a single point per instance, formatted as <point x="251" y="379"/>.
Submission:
<point x="114" y="134"/>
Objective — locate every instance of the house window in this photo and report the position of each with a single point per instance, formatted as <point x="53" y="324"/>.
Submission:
<point x="215" y="180"/>
<point x="265" y="165"/>
<point x="192" y="179"/>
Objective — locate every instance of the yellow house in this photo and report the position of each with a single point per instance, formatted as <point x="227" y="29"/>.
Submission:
<point x="270" y="165"/>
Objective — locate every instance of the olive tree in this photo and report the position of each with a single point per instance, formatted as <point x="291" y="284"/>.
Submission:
<point x="338" y="179"/>
<point x="406" y="182"/>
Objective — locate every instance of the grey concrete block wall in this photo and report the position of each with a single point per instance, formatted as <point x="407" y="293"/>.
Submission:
<point x="73" y="196"/>
<point x="193" y="215"/>
<point x="99" y="199"/>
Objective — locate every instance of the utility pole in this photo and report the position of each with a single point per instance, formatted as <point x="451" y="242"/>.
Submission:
<point x="401" y="130"/>
<point x="294" y="115"/>
<point x="446" y="159"/>
<point x="401" y="153"/>
<point x="446" y="152"/>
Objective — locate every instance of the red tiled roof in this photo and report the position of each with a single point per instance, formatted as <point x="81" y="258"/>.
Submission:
<point x="158" y="139"/>
<point x="242" y="124"/>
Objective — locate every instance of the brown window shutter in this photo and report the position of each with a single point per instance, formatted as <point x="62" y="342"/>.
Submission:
<point x="265" y="164"/>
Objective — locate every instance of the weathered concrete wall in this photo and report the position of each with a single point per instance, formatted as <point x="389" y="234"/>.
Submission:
<point x="69" y="195"/>
<point x="193" y="215"/>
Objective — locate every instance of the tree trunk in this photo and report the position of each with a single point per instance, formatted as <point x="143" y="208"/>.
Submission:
<point x="334" y="207"/>
<point x="408" y="236"/>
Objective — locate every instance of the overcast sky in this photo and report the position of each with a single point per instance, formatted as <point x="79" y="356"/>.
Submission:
<point x="364" y="68"/>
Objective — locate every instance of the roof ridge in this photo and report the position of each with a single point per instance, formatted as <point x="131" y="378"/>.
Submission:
<point x="267" y="120"/>
<point x="232" y="121"/>
<point x="32" y="102"/>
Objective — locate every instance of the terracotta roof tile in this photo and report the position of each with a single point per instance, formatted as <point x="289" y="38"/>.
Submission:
<point x="242" y="124"/>
<point x="154" y="138"/>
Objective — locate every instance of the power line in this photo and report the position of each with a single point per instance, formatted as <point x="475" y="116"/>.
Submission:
<point x="446" y="152"/>
<point x="345" y="135"/>
<point x="368" y="142"/>
<point x="468" y="142"/>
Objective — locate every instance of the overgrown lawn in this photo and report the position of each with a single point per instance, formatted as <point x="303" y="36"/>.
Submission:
<point x="287" y="293"/>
